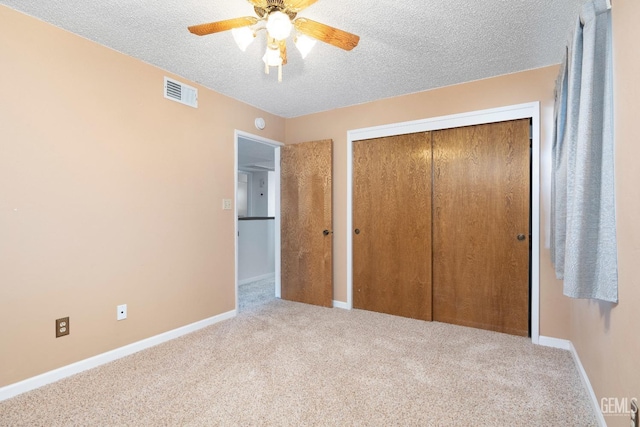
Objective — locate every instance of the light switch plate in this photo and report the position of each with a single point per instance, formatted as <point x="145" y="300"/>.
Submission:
<point x="226" y="204"/>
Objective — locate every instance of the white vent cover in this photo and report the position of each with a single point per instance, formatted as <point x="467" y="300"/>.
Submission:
<point x="180" y="92"/>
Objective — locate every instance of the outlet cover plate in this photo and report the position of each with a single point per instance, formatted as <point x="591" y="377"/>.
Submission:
<point x="62" y="327"/>
<point x="122" y="312"/>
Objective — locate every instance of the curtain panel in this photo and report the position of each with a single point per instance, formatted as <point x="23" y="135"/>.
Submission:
<point x="583" y="227"/>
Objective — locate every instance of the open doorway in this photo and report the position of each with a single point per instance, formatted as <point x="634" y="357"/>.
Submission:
<point x="257" y="220"/>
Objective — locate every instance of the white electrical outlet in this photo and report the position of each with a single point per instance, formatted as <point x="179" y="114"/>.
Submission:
<point x="226" y="204"/>
<point x="122" y="312"/>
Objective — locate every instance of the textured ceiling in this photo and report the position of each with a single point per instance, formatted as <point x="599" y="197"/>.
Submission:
<point x="405" y="47"/>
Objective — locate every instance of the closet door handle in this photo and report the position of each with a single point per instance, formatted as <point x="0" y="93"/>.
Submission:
<point x="521" y="237"/>
<point x="357" y="231"/>
<point x="327" y="232"/>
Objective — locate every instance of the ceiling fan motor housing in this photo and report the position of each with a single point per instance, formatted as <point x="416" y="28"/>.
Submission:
<point x="264" y="12"/>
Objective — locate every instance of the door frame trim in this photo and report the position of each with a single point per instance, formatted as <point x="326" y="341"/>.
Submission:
<point x="529" y="110"/>
<point x="276" y="152"/>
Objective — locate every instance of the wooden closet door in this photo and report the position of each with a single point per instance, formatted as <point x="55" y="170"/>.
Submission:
<point x="481" y="226"/>
<point x="306" y="222"/>
<point x="392" y="225"/>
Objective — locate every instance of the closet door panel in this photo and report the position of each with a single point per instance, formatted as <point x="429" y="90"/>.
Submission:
<point x="392" y="225"/>
<point x="481" y="226"/>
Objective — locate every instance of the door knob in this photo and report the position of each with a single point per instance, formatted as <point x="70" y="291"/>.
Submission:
<point x="326" y="232"/>
<point x="357" y="231"/>
<point x="521" y="237"/>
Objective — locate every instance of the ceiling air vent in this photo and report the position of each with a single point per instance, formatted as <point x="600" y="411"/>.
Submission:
<point x="180" y="92"/>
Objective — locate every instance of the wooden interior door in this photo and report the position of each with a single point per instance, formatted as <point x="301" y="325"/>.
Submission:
<point x="392" y="225"/>
<point x="481" y="226"/>
<point x="305" y="214"/>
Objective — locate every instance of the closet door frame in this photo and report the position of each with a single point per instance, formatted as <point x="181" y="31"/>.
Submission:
<point x="513" y="112"/>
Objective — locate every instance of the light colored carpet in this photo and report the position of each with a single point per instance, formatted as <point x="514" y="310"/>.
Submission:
<point x="289" y="364"/>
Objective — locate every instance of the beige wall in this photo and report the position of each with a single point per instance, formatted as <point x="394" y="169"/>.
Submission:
<point x="607" y="336"/>
<point x="535" y="85"/>
<point x="109" y="194"/>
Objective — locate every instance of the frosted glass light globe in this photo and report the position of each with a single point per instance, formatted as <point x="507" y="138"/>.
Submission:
<point x="272" y="57"/>
<point x="243" y="37"/>
<point x="304" y="45"/>
<point x="279" y="25"/>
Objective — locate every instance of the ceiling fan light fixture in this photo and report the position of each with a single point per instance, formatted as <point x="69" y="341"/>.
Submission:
<point x="305" y="44"/>
<point x="272" y="57"/>
<point x="279" y="25"/>
<point x="243" y="36"/>
<point x="278" y="18"/>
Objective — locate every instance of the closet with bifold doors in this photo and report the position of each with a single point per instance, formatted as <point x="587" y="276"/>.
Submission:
<point x="442" y="225"/>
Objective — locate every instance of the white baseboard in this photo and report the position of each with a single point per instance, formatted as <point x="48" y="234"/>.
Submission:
<point x="554" y="342"/>
<point x="340" y="304"/>
<point x="66" y="371"/>
<point x="568" y="345"/>
<point x="256" y="278"/>
<point x="587" y="385"/>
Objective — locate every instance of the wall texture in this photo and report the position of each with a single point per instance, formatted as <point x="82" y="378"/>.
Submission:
<point x="605" y="335"/>
<point x="535" y="85"/>
<point x="109" y="194"/>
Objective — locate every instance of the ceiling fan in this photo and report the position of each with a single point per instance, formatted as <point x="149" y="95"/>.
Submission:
<point x="278" y="18"/>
